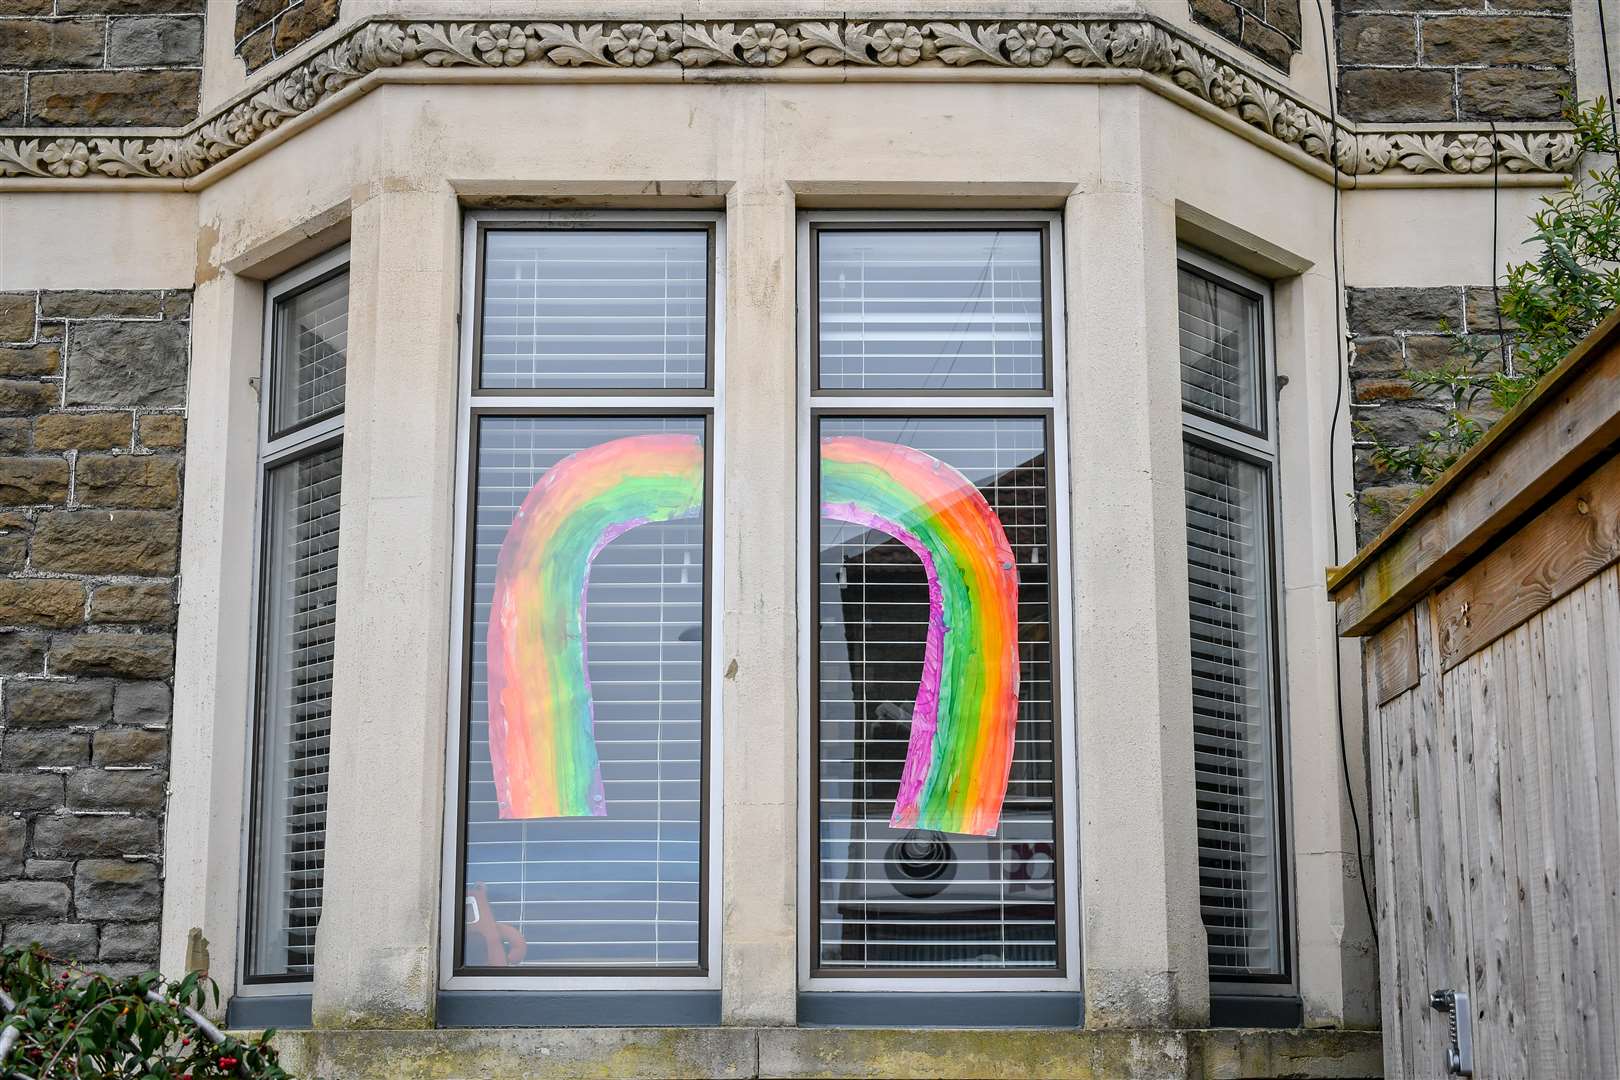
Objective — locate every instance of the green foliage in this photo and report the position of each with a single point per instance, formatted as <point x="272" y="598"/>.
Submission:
<point x="76" y="1024"/>
<point x="1549" y="303"/>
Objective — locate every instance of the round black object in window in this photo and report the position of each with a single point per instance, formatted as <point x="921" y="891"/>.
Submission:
<point x="920" y="864"/>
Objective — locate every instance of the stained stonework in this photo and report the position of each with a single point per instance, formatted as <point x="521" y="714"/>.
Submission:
<point x="1405" y="61"/>
<point x="266" y="29"/>
<point x="1393" y="331"/>
<point x="103" y="63"/>
<point x="92" y="422"/>
<point x="1268" y="29"/>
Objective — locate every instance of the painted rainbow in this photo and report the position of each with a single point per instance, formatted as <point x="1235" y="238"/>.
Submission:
<point x="962" y="725"/>
<point x="541" y="742"/>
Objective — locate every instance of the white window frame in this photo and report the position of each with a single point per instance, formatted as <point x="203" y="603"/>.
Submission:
<point x="576" y="402"/>
<point x="1053" y="400"/>
<point x="1263" y="450"/>
<point x="301" y="441"/>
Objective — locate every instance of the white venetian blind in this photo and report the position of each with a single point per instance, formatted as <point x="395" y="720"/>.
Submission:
<point x="913" y="900"/>
<point x="296" y="709"/>
<point x="939" y="309"/>
<point x="1220" y="341"/>
<point x="620" y="892"/>
<point x="312" y="342"/>
<point x="595" y="309"/>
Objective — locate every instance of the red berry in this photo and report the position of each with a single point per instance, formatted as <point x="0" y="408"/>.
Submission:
<point x="227" y="1063"/>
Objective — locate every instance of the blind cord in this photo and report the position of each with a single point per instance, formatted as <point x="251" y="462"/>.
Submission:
<point x="1341" y="377"/>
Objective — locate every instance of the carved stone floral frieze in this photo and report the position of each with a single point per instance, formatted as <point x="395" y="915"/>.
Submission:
<point x="693" y="47"/>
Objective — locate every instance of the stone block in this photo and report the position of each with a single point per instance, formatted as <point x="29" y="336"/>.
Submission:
<point x="13" y="843"/>
<point x="30" y="790"/>
<point x="1512" y="94"/>
<point x="1222" y="16"/>
<point x="57" y="749"/>
<point x="122" y="656"/>
<point x="1377" y="354"/>
<point x="1395" y="95"/>
<point x="48" y="44"/>
<point x="1284" y="15"/>
<point x="126" y="7"/>
<point x="33" y="899"/>
<point x="163" y="431"/>
<point x="303" y="21"/>
<point x="1398" y="425"/>
<point x="89" y="835"/>
<point x="141" y="483"/>
<point x="83" y="431"/>
<point x="49" y="869"/>
<point x="114" y="98"/>
<point x="143" y="602"/>
<point x="16" y="435"/>
<point x="257" y="50"/>
<point x="101" y="304"/>
<point x="15" y="529"/>
<point x="252" y="14"/>
<point x="1495" y="39"/>
<point x="33" y="481"/>
<point x="127" y="363"/>
<point x="143" y="704"/>
<point x="155" y="41"/>
<point x="19" y="398"/>
<point x="1378" y="39"/>
<point x="116" y="889"/>
<point x="54" y="602"/>
<point x="139" y="542"/>
<point x="22" y="652"/>
<point x="1383" y="388"/>
<point x="177" y="304"/>
<point x="56" y="702"/>
<point x="1385" y="310"/>
<point x="12" y="102"/>
<point x="130" y="941"/>
<point x="30" y="360"/>
<point x="1483" y="313"/>
<point x="117" y="789"/>
<point x="72" y="941"/>
<point x="1266" y="43"/>
<point x="16" y="313"/>
<point x="131" y="746"/>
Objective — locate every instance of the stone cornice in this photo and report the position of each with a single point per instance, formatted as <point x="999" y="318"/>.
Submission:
<point x="942" y="49"/>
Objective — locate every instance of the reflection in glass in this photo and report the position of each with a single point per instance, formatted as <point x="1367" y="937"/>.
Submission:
<point x="311" y="352"/>
<point x="910" y="898"/>
<point x="621" y="890"/>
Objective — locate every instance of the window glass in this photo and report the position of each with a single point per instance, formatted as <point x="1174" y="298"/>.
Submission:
<point x="1228" y="571"/>
<point x="311" y="346"/>
<point x="1220" y="351"/>
<point x="935" y="729"/>
<point x="584" y="785"/>
<point x="299" y="607"/>
<point x="937" y="309"/>
<point x="595" y="309"/>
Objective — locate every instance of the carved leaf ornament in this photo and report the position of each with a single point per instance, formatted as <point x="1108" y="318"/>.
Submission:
<point x="1130" y="44"/>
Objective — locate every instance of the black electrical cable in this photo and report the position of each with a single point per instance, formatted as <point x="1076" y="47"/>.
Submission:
<point x="1608" y="72"/>
<point x="1496" y="221"/>
<point x="1333" y="441"/>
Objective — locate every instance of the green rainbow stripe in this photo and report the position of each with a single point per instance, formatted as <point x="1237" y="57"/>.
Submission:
<point x="962" y="725"/>
<point x="541" y="741"/>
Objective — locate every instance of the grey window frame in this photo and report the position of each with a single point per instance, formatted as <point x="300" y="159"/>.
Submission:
<point x="275" y="450"/>
<point x="1259" y="446"/>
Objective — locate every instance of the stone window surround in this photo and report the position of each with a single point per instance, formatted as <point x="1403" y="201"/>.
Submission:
<point x="235" y="303"/>
<point x="1161" y="57"/>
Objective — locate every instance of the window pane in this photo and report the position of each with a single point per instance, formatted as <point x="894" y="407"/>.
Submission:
<point x="1229" y="579"/>
<point x="1220" y="350"/>
<point x="295" y="710"/>
<point x="584" y="817"/>
<point x="956" y="309"/>
<point x="311" y="345"/>
<point x="911" y="581"/>
<point x="595" y="308"/>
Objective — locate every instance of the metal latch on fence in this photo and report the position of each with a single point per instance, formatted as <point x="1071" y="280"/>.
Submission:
<point x="1460" y="1054"/>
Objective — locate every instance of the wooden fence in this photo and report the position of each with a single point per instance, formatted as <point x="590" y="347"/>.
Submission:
<point x="1490" y="613"/>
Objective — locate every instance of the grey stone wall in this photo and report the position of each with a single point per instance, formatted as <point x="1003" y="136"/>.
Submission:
<point x="92" y="429"/>
<point x="1430" y="60"/>
<point x="1268" y="29"/>
<point x="266" y="29"/>
<point x="103" y="63"/>
<point x="1394" y="331"/>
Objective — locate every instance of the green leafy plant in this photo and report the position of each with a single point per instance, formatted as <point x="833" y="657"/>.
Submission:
<point x="1549" y="304"/>
<point x="73" y="1023"/>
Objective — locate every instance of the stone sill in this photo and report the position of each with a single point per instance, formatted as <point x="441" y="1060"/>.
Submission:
<point x="1212" y="1054"/>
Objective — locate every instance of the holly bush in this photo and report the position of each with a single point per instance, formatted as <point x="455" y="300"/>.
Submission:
<point x="74" y="1023"/>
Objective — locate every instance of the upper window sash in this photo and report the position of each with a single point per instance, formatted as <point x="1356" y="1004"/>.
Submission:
<point x="595" y="306"/>
<point x="302" y="386"/>
<point x="937" y="308"/>
<point x="1222" y="320"/>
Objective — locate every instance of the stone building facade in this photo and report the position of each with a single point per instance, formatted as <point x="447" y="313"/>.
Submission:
<point x="172" y="173"/>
